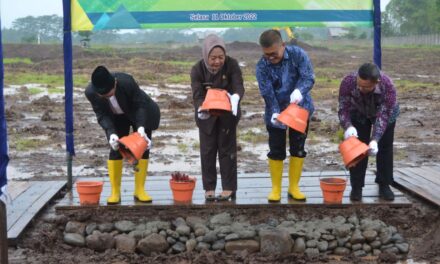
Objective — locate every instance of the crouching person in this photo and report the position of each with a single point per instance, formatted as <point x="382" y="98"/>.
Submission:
<point x="368" y="109"/>
<point x="119" y="104"/>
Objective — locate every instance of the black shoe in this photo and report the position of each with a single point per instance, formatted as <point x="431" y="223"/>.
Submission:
<point x="356" y="194"/>
<point x="210" y="197"/>
<point x="385" y="192"/>
<point x="222" y="198"/>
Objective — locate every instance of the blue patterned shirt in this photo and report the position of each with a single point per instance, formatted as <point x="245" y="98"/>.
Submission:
<point x="277" y="82"/>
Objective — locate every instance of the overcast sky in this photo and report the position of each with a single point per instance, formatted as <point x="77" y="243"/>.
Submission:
<point x="13" y="9"/>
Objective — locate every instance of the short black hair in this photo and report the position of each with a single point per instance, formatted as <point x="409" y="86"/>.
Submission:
<point x="270" y="37"/>
<point x="369" y="71"/>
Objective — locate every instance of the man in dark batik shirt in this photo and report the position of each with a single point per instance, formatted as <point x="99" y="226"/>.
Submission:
<point x="368" y="109"/>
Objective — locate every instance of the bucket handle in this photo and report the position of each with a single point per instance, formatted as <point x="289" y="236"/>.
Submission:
<point x="347" y="176"/>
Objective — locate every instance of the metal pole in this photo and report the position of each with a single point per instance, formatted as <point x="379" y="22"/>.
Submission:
<point x="3" y="235"/>
<point x="377" y="34"/>
<point x="68" y="83"/>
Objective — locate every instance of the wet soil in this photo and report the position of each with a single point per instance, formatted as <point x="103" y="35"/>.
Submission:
<point x="37" y="147"/>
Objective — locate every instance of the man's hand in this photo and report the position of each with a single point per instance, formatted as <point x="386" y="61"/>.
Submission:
<point x="234" y="99"/>
<point x="141" y="131"/>
<point x="114" y="142"/>
<point x="203" y="115"/>
<point x="373" y="148"/>
<point x="350" y="132"/>
<point x="274" y="120"/>
<point x="296" y="97"/>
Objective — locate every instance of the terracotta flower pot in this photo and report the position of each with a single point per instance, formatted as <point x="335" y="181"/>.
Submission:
<point x="132" y="147"/>
<point x="332" y="189"/>
<point x="295" y="117"/>
<point x="353" y="150"/>
<point x="183" y="191"/>
<point x="216" y="102"/>
<point x="89" y="192"/>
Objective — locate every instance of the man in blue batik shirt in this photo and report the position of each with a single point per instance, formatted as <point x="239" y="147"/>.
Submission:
<point x="285" y="75"/>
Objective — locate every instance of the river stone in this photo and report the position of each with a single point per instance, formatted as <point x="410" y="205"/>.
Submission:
<point x="179" y="221"/>
<point x="299" y="246"/>
<point x="341" y="251"/>
<point x="202" y="245"/>
<point x="178" y="247"/>
<point x="250" y="246"/>
<point x="101" y="241"/>
<point x="369" y="235"/>
<point x="190" y="245"/>
<point x="152" y="243"/>
<point x="171" y="240"/>
<point x="105" y="227"/>
<point x="125" y="243"/>
<point x="125" y="226"/>
<point x="322" y="246"/>
<point x="332" y="244"/>
<point x="312" y="253"/>
<point x="74" y="239"/>
<point x="183" y="230"/>
<point x="232" y="236"/>
<point x="403" y="247"/>
<point x="90" y="228"/>
<point x="275" y="242"/>
<point x="220" y="220"/>
<point x="75" y="227"/>
<point x="219" y="245"/>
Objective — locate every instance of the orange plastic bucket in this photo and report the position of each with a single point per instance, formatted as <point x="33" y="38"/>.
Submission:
<point x="89" y="192"/>
<point x="332" y="189"/>
<point x="132" y="147"/>
<point x="353" y="150"/>
<point x="295" y="117"/>
<point x="216" y="102"/>
<point x="182" y="191"/>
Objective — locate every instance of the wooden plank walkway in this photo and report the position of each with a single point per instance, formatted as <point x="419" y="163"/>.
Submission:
<point x="28" y="198"/>
<point x="424" y="182"/>
<point x="253" y="189"/>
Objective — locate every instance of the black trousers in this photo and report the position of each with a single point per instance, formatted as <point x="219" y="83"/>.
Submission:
<point x="222" y="140"/>
<point x="384" y="158"/>
<point x="122" y="125"/>
<point x="277" y="143"/>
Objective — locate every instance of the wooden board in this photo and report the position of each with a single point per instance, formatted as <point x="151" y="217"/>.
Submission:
<point x="253" y="189"/>
<point x="421" y="181"/>
<point x="27" y="203"/>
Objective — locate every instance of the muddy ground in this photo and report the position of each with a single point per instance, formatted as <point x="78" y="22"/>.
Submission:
<point x="35" y="116"/>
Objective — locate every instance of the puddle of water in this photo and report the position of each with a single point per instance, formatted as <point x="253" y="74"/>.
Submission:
<point x="14" y="173"/>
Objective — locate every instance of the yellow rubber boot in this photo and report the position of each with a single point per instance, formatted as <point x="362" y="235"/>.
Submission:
<point x="276" y="173"/>
<point x="139" y="181"/>
<point x="115" y="175"/>
<point x="295" y="169"/>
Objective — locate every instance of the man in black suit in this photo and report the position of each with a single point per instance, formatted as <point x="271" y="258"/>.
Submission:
<point x="119" y="104"/>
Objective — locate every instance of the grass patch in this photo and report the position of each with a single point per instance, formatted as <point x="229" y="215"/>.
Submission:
<point x="179" y="78"/>
<point x="338" y="137"/>
<point x="180" y="63"/>
<point x="27" y="144"/>
<point x="46" y="79"/>
<point x="17" y="60"/>
<point x="182" y="147"/>
<point x="55" y="90"/>
<point x="249" y="78"/>
<point x="253" y="137"/>
<point x="33" y="91"/>
<point x="196" y="145"/>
